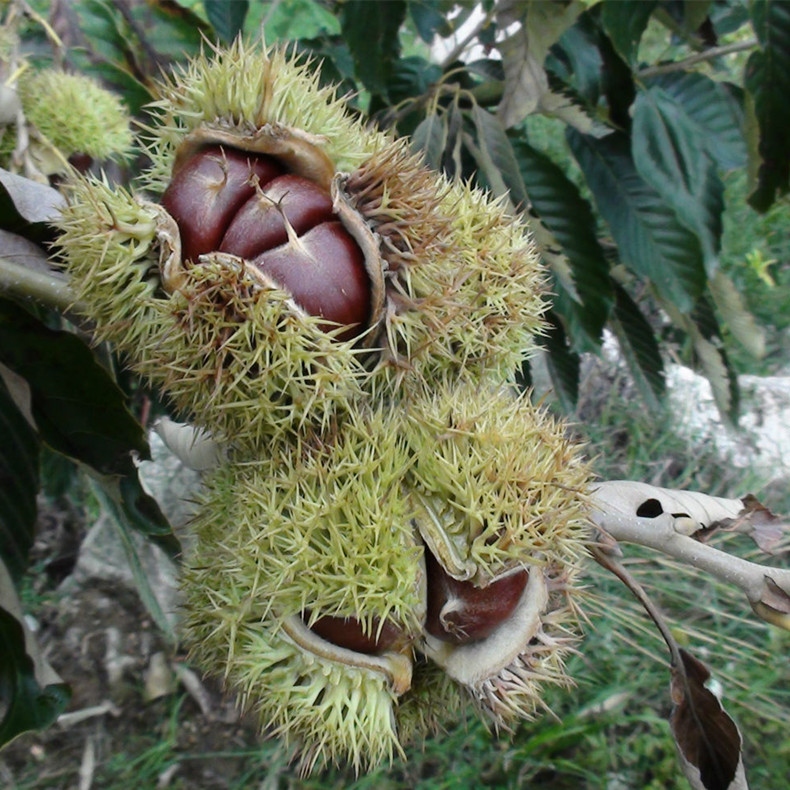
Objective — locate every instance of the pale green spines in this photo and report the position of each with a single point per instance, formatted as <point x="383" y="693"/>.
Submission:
<point x="465" y="290"/>
<point x="76" y="114"/>
<point x="498" y="483"/>
<point x="319" y="526"/>
<point x="326" y="711"/>
<point x="243" y="363"/>
<point x="232" y="355"/>
<point x="247" y="88"/>
<point x="108" y="240"/>
<point x="434" y="703"/>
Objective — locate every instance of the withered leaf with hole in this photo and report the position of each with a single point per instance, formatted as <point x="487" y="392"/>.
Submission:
<point x="708" y="740"/>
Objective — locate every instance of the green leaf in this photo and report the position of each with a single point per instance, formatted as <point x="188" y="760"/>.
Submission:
<point x="142" y="512"/>
<point x="226" y="17"/>
<point x="429" y="20"/>
<point x="109" y="495"/>
<point x="291" y="21"/>
<point x="715" y="108"/>
<point x="430" y="137"/>
<point x="371" y="31"/>
<point x="650" y="240"/>
<point x="19" y="449"/>
<point x="640" y="348"/>
<point x="563" y="364"/>
<point x="130" y="46"/>
<point x="625" y="22"/>
<point x="78" y="408"/>
<point x="29" y="707"/>
<point x="767" y="80"/>
<point x="569" y="217"/>
<point x="498" y="159"/>
<point x="412" y="77"/>
<point x="451" y="158"/>
<point x="669" y="153"/>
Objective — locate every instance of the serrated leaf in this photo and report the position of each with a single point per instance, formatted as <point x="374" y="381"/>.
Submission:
<point x="563" y="363"/>
<point x="19" y="451"/>
<point x="129" y="47"/>
<point x="716" y="108"/>
<point x="451" y="156"/>
<point x="767" y="80"/>
<point x="291" y="21"/>
<point x="28" y="706"/>
<point x="430" y="137"/>
<point x="669" y="154"/>
<point x="625" y="22"/>
<point x="27" y="206"/>
<point x="569" y="217"/>
<point x="640" y="348"/>
<point x="739" y="320"/>
<point x="371" y="31"/>
<point x="650" y="240"/>
<point x="706" y="336"/>
<point x="703" y="331"/>
<point x="577" y="61"/>
<point x="429" y="20"/>
<point x="226" y="17"/>
<point x="142" y="512"/>
<point x="542" y="22"/>
<point x="497" y="156"/>
<point x="78" y="408"/>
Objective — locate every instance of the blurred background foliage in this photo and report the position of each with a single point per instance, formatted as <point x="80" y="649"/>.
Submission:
<point x="645" y="143"/>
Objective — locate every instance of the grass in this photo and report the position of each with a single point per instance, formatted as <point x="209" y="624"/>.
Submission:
<point x="609" y="733"/>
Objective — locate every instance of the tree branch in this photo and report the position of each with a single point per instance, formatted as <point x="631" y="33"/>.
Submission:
<point x="708" y="54"/>
<point x="48" y="288"/>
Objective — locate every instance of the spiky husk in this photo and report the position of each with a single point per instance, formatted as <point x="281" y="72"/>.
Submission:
<point x="506" y="673"/>
<point x="465" y="293"/>
<point x="244" y="89"/>
<point x="434" y="703"/>
<point x="75" y="114"/>
<point x="499" y="484"/>
<point x="517" y="690"/>
<point x="465" y="288"/>
<point x="318" y="525"/>
<point x="233" y="355"/>
<point x="324" y="710"/>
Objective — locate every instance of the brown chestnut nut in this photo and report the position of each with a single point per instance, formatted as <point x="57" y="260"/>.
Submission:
<point x="347" y="632"/>
<point x="460" y="612"/>
<point x="227" y="200"/>
<point x="207" y="192"/>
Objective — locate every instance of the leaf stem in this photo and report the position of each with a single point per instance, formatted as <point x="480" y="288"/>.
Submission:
<point x="708" y="54"/>
<point x="48" y="288"/>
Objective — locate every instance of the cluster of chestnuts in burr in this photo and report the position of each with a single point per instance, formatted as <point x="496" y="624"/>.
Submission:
<point x="391" y="535"/>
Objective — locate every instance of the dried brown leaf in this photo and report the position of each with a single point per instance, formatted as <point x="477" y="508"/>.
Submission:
<point x="707" y="738"/>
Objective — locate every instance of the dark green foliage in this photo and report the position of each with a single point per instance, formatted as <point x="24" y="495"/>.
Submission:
<point x="30" y="707"/>
<point x="18" y="484"/>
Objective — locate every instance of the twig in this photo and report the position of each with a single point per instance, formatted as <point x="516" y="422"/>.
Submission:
<point x="462" y="45"/>
<point x="708" y="54"/>
<point x="49" y="288"/>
